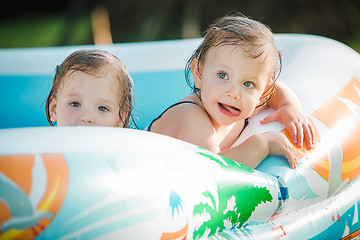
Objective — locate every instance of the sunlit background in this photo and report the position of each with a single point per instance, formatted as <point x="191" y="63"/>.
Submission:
<point x="76" y="22"/>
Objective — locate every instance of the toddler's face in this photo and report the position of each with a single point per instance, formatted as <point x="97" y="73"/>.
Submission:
<point x="86" y="100"/>
<point x="231" y="83"/>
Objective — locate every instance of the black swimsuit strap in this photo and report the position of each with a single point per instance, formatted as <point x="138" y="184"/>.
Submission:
<point x="245" y="124"/>
<point x="175" y="104"/>
<point x="181" y="102"/>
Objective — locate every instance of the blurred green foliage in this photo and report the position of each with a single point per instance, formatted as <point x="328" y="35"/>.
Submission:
<point x="42" y="31"/>
<point x="48" y="23"/>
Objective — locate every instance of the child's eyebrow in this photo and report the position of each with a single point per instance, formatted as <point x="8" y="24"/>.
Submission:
<point x="74" y="91"/>
<point x="73" y="94"/>
<point x="107" y="101"/>
<point x="225" y="67"/>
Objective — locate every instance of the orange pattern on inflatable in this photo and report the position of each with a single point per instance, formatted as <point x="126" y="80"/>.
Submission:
<point x="19" y="175"/>
<point x="181" y="234"/>
<point x="339" y="114"/>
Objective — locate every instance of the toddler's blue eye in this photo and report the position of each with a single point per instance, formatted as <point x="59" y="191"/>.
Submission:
<point x="223" y="76"/>
<point x="75" y="104"/>
<point x="248" y="84"/>
<point x="103" y="109"/>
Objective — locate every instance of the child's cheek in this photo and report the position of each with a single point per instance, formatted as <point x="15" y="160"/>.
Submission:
<point x="68" y="117"/>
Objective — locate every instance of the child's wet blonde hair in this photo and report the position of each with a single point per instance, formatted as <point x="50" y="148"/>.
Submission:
<point x="255" y="38"/>
<point x="95" y="62"/>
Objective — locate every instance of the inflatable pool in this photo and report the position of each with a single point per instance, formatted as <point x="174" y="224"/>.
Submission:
<point x="111" y="183"/>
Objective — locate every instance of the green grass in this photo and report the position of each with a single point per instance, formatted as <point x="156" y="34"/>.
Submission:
<point x="42" y="31"/>
<point x="355" y="42"/>
<point x="356" y="46"/>
<point x="47" y="30"/>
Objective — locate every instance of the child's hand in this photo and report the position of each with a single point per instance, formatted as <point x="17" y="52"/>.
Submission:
<point x="279" y="145"/>
<point x="298" y="125"/>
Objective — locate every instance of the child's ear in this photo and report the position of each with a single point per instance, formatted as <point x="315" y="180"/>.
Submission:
<point x="196" y="70"/>
<point x="120" y="122"/>
<point x="52" y="109"/>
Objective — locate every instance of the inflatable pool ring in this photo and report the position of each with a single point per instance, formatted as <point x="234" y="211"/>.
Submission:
<point x="111" y="183"/>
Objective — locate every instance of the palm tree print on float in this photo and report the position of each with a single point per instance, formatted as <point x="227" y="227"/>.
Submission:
<point x="245" y="197"/>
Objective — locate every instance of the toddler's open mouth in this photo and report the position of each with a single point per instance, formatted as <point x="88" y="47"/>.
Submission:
<point x="228" y="110"/>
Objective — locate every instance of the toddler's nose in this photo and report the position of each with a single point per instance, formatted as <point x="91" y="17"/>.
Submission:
<point x="233" y="92"/>
<point x="87" y="118"/>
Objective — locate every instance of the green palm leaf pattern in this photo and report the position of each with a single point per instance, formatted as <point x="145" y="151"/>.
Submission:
<point x="245" y="195"/>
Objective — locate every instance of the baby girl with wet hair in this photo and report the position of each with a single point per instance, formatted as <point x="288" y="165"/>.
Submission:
<point x="232" y="73"/>
<point x="91" y="88"/>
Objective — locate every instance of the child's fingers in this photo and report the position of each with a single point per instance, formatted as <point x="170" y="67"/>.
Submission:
<point x="300" y="134"/>
<point x="308" y="133"/>
<point x="312" y="133"/>
<point x="271" y="118"/>
<point x="291" y="159"/>
<point x="279" y="144"/>
<point x="292" y="132"/>
<point x="290" y="155"/>
<point x="308" y="136"/>
<point x="293" y="156"/>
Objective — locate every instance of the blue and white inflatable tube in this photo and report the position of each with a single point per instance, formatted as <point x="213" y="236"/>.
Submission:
<point x="111" y="183"/>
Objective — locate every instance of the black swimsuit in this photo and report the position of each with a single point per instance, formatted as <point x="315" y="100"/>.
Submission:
<point x="175" y="104"/>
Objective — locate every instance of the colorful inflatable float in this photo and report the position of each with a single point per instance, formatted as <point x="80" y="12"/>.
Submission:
<point x="107" y="183"/>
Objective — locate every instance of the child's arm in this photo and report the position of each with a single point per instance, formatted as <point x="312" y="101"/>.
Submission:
<point x="250" y="153"/>
<point x="259" y="146"/>
<point x="289" y="112"/>
<point x="196" y="127"/>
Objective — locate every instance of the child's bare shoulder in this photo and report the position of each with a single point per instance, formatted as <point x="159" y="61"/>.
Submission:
<point x="183" y="115"/>
<point x="185" y="121"/>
